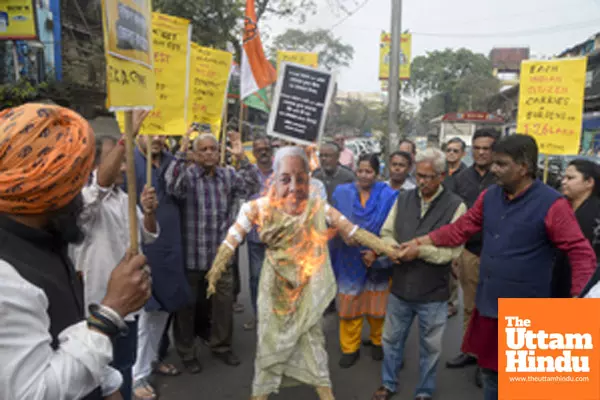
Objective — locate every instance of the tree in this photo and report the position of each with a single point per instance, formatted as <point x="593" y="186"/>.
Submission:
<point x="452" y="80"/>
<point x="333" y="53"/>
<point x="362" y="116"/>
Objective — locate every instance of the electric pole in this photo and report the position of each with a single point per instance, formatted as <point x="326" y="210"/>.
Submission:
<point x="394" y="76"/>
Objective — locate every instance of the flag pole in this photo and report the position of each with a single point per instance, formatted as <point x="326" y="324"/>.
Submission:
<point x="131" y="189"/>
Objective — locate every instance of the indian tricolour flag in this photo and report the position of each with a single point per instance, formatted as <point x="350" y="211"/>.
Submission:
<point x="257" y="72"/>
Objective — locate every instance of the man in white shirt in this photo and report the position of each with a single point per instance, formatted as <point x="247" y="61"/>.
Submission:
<point x="47" y="349"/>
<point x="105" y="222"/>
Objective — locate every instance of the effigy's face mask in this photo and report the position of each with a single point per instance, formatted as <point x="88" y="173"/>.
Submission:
<point x="292" y="185"/>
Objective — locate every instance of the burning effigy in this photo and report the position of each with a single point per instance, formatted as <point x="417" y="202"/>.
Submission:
<point x="297" y="281"/>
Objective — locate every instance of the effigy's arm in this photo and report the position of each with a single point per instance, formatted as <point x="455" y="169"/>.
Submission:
<point x="352" y="233"/>
<point x="235" y="236"/>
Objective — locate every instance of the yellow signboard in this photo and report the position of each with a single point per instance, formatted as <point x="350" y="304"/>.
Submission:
<point x="170" y="42"/>
<point x="385" y="53"/>
<point x="297" y="57"/>
<point x="128" y="47"/>
<point x="17" y="20"/>
<point x="551" y="103"/>
<point x="209" y="81"/>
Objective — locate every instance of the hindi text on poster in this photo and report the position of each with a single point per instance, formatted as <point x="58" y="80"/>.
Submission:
<point x="551" y="103"/>
<point x="301" y="100"/>
<point x="209" y="80"/>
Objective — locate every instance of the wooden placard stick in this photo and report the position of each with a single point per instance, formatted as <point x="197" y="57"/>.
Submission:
<point x="131" y="187"/>
<point x="224" y="138"/>
<point x="149" y="161"/>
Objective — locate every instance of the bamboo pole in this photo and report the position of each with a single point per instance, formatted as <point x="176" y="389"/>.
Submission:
<point x="224" y="137"/>
<point x="149" y="161"/>
<point x="131" y="189"/>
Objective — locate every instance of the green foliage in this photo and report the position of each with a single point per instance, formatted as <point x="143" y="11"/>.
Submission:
<point x="451" y="81"/>
<point x="13" y="95"/>
<point x="217" y="23"/>
<point x="362" y="116"/>
<point x="333" y="53"/>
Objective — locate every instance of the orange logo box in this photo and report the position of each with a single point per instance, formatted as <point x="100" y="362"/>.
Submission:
<point x="548" y="349"/>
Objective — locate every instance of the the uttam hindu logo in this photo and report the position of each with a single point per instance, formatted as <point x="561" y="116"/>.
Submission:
<point x="547" y="349"/>
<point x="528" y="345"/>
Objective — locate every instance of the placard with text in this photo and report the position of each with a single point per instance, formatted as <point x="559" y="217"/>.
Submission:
<point x="551" y="103"/>
<point x="300" y="104"/>
<point x="548" y="349"/>
<point x="130" y="81"/>
<point x="171" y="44"/>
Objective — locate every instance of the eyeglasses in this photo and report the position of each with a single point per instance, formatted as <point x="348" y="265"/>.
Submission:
<point x="453" y="151"/>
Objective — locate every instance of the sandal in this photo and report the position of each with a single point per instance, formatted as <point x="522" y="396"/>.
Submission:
<point x="166" y="369"/>
<point x="382" y="394"/>
<point x="143" y="391"/>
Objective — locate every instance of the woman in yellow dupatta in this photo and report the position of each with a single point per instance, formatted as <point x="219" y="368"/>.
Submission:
<point x="297" y="281"/>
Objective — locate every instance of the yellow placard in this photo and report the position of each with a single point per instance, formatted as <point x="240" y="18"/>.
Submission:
<point x="17" y="20"/>
<point x="128" y="48"/>
<point x="209" y="81"/>
<point x="297" y="57"/>
<point x="385" y="53"/>
<point x="551" y="103"/>
<point x="170" y="42"/>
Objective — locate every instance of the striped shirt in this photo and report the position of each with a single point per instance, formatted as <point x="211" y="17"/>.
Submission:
<point x="211" y="203"/>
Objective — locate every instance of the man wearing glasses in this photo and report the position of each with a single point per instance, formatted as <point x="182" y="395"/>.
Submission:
<point x="468" y="184"/>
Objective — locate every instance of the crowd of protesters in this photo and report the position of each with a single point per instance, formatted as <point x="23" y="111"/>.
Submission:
<point x="84" y="316"/>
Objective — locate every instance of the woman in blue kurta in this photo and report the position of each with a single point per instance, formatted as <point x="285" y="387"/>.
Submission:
<point x="363" y="279"/>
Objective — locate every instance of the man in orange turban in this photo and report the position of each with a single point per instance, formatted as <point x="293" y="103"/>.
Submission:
<point x="47" y="349"/>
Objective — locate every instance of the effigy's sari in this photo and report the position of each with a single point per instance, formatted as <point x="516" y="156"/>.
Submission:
<point x="296" y="285"/>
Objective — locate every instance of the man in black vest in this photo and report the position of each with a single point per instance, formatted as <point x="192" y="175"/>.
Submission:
<point x="468" y="184"/>
<point x="421" y="278"/>
<point x="47" y="349"/>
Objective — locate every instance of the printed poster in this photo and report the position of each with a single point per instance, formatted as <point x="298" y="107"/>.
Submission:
<point x="551" y="104"/>
<point x="171" y="44"/>
<point x="297" y="57"/>
<point x="18" y="20"/>
<point x="130" y="78"/>
<point x="209" y="81"/>
<point x="385" y="52"/>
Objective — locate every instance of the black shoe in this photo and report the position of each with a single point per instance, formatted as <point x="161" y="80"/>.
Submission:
<point x="461" y="361"/>
<point x="228" y="358"/>
<point x="192" y="366"/>
<point x="348" y="360"/>
<point x="367" y="343"/>
<point x="377" y="353"/>
<point x="478" y="378"/>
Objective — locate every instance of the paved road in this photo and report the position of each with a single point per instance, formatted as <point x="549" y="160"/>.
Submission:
<point x="219" y="382"/>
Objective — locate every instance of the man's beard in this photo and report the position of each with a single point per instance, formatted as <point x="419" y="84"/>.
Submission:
<point x="65" y="222"/>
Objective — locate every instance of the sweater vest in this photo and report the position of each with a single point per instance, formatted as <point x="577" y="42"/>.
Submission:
<point x="517" y="256"/>
<point x="419" y="280"/>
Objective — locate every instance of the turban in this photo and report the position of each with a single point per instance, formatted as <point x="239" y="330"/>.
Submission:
<point x="46" y="156"/>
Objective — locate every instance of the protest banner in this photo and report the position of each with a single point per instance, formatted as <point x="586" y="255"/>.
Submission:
<point x="171" y="38"/>
<point x="209" y="81"/>
<point x="551" y="104"/>
<point x="297" y="57"/>
<point x="129" y="58"/>
<point x="18" y="20"/>
<point x="129" y="77"/>
<point x="385" y="51"/>
<point x="547" y="349"/>
<point x="300" y="104"/>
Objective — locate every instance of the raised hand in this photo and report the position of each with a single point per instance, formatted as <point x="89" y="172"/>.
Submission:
<point x="149" y="200"/>
<point x="236" y="149"/>
<point x="138" y="119"/>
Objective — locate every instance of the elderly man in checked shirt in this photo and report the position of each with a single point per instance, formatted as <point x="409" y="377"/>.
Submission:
<point x="211" y="195"/>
